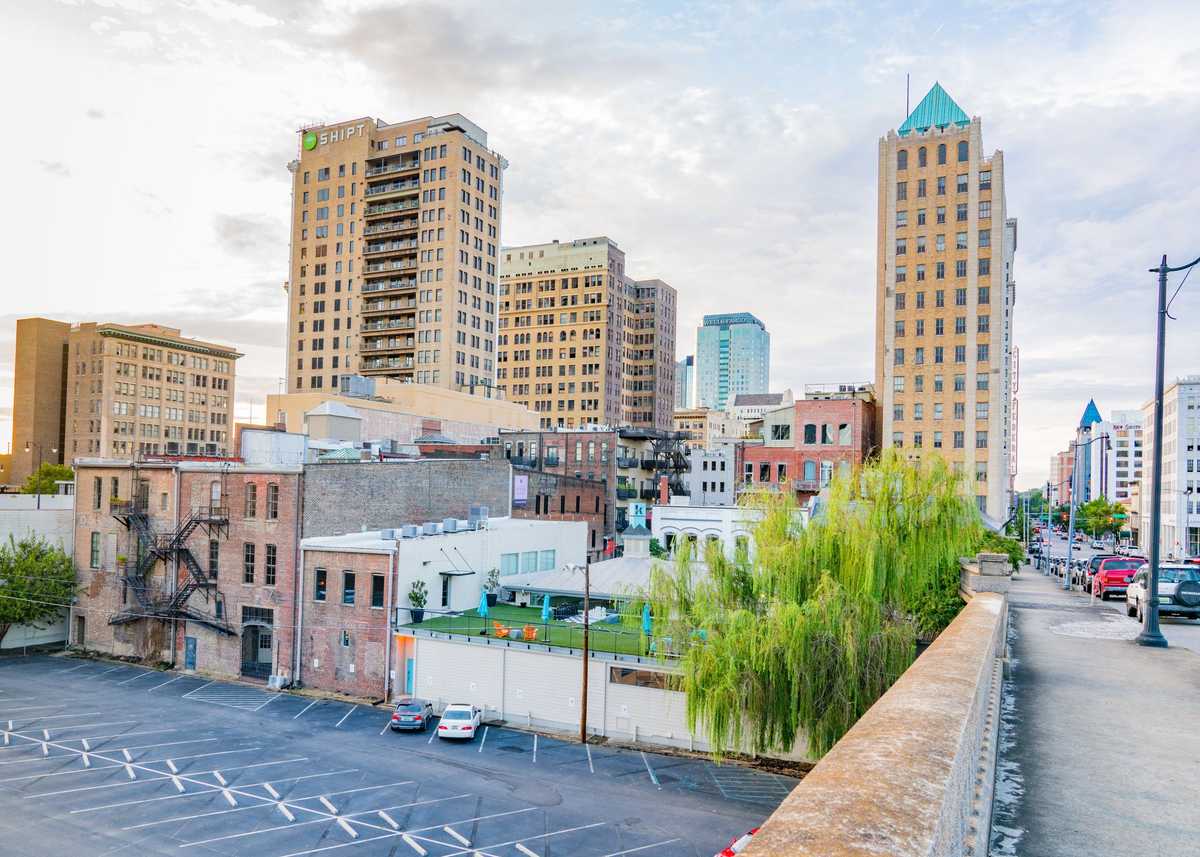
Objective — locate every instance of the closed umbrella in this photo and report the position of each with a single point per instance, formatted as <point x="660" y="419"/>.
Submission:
<point x="546" y="607"/>
<point x="647" y="625"/>
<point x="483" y="610"/>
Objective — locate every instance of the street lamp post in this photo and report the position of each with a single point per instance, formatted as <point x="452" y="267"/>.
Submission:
<point x="587" y="606"/>
<point x="37" y="482"/>
<point x="1151" y="635"/>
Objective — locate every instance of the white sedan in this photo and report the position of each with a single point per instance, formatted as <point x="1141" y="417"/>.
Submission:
<point x="459" y="720"/>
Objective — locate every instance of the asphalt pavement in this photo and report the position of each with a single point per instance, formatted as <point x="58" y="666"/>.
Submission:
<point x="1099" y="740"/>
<point x="99" y="757"/>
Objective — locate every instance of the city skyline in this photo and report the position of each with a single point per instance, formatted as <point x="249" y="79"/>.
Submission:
<point x="211" y="250"/>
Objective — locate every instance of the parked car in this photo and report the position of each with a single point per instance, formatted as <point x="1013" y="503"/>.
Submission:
<point x="412" y="714"/>
<point x="738" y="844"/>
<point x="1178" y="591"/>
<point x="459" y="720"/>
<point x="1098" y="545"/>
<point x="1112" y="576"/>
<point x="1093" y="565"/>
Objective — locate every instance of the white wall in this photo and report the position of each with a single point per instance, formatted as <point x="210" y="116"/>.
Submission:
<point x="726" y="523"/>
<point x="54" y="522"/>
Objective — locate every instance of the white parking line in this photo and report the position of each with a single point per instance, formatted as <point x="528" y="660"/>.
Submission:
<point x="386" y="727"/>
<point x="347" y="714"/>
<point x="124" y="803"/>
<point x="140" y="675"/>
<point x="165" y="683"/>
<point x="525" y="850"/>
<point x="432" y="735"/>
<point x="640" y="848"/>
<point x="193" y="690"/>
<point x="486" y="848"/>
<point x="588" y="747"/>
<point x="484" y="741"/>
<point x="452" y="832"/>
<point x="33" y="708"/>
<point x="310" y="705"/>
<point x="72" y="669"/>
<point x="269" y="701"/>
<point x="650" y="770"/>
<point x="164" y="776"/>
<point x="535" y="737"/>
<point x="32" y="720"/>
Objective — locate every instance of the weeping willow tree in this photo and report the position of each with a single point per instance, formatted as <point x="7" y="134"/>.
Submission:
<point x="805" y="635"/>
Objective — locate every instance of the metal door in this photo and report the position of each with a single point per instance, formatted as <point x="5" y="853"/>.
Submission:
<point x="189" y="653"/>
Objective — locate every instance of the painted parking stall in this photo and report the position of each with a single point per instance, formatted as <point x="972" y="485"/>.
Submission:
<point x="183" y="765"/>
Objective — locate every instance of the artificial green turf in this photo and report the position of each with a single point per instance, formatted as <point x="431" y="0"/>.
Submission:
<point x="601" y="637"/>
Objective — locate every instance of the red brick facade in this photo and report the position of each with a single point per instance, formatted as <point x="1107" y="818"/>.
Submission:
<point x="825" y="435"/>
<point x="343" y="647"/>
<point x="556" y="497"/>
<point x="254" y="559"/>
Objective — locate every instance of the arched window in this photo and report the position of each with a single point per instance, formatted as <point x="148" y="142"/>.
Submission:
<point x="922" y="159"/>
<point x="902" y="159"/>
<point x="962" y="150"/>
<point x="810" y="471"/>
<point x="941" y="153"/>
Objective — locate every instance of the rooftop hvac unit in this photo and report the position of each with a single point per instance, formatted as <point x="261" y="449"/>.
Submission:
<point x="430" y="528"/>
<point x="478" y="513"/>
<point x="450" y="525"/>
<point x="409" y="531"/>
<point x="387" y="535"/>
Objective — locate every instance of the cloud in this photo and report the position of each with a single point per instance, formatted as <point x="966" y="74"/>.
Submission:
<point x="55" y="168"/>
<point x="95" y="113"/>
<point x="252" y="236"/>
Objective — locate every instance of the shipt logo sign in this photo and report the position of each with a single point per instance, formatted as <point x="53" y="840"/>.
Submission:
<point x="312" y="139"/>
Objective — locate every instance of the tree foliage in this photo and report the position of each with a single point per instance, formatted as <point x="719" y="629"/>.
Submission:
<point x="1099" y="516"/>
<point x="996" y="543"/>
<point x="808" y="633"/>
<point x="42" y="480"/>
<point x="37" y="581"/>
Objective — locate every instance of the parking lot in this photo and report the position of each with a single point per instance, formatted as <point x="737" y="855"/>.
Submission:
<point x="103" y="757"/>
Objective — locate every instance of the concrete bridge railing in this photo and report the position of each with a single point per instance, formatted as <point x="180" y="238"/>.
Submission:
<point x="914" y="776"/>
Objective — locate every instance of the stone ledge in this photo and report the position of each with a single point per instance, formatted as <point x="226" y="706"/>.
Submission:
<point x="902" y="781"/>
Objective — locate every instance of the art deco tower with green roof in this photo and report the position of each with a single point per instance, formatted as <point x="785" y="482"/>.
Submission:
<point x="945" y="365"/>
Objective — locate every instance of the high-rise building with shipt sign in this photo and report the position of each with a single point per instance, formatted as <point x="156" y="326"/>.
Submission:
<point x="944" y="369"/>
<point x="394" y="253"/>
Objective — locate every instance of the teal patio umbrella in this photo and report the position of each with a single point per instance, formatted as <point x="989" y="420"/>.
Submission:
<point x="647" y="624"/>
<point x="546" y="607"/>
<point x="483" y="610"/>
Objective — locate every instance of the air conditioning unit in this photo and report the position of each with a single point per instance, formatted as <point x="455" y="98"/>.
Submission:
<point x="431" y="528"/>
<point x="450" y="525"/>
<point x="410" y="531"/>
<point x="478" y="513"/>
<point x="387" y="535"/>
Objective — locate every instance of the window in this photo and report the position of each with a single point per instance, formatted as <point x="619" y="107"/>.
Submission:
<point x="248" y="551"/>
<point x="899" y="332"/>
<point x="981" y="352"/>
<point x="960" y="268"/>
<point x="938" y="383"/>
<point x="780" y="472"/>
<point x="938" y="410"/>
<point x="783" y="431"/>
<point x="95" y="555"/>
<point x="981" y="471"/>
<point x="963" y="150"/>
<point x="377" y="590"/>
<point x="901" y="218"/>
<point x="920" y="327"/>
<point x="922" y="158"/>
<point x="918" y="411"/>
<point x="529" y="561"/>
<point x="900" y="300"/>
<point x="898" y="384"/>
<point x="901" y="190"/>
<point x="826" y="433"/>
<point x="941" y="214"/>
<point x="510" y="563"/>
<point x="920" y="278"/>
<point x="960" y="325"/>
<point x="960" y="212"/>
<point x="272" y="502"/>
<point x="939" y="351"/>
<point x="960" y="410"/>
<point x="251" y="500"/>
<point x="764" y="471"/>
<point x="844" y="434"/>
<point x="898" y="413"/>
<point x="921" y="185"/>
<point x="985" y="179"/>
<point x="985" y="209"/>
<point x="826" y="472"/>
<point x="941" y="185"/>
<point x="810" y="470"/>
<point x="981" y="382"/>
<point x="920" y="300"/>
<point x="981" y="440"/>
<point x="898" y="357"/>
<point x="214" y="557"/>
<point x="960" y="297"/>
<point x="901" y="246"/>
<point x="918" y="440"/>
<point x="810" y="432"/>
<point x="937" y="440"/>
<point x="546" y="560"/>
<point x="897" y="439"/>
<point x="902" y="159"/>
<point x="901" y="273"/>
<point x="643" y="678"/>
<point x="920" y="217"/>
<point x="941" y="153"/>
<point x="983" y="324"/>
<point x="958" y="440"/>
<point x="919" y="355"/>
<point x="97" y="491"/>
<point x="939" y="298"/>
<point x="960" y="241"/>
<point x="961" y="186"/>
<point x="960" y="354"/>
<point x="348" y="587"/>
<point x="922" y="244"/>
<point x="919" y="383"/>
<point x="981" y="410"/>
<point x="320" y="585"/>
<point x="985" y="295"/>
<point x="269" y="571"/>
<point x="985" y="238"/>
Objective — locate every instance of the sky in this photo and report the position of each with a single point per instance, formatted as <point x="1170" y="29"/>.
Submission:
<point x="730" y="149"/>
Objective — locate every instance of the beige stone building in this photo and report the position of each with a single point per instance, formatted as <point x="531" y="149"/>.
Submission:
<point x="395" y="242"/>
<point x="704" y="426"/>
<point x="582" y="343"/>
<point x="944" y="372"/>
<point x="100" y="389"/>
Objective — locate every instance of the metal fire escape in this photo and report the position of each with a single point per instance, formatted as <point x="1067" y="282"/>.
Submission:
<point x="155" y="602"/>
<point x="671" y="460"/>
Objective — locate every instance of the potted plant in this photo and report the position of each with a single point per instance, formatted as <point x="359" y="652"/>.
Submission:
<point x="492" y="586"/>
<point x="418" y="594"/>
<point x="121" y="560"/>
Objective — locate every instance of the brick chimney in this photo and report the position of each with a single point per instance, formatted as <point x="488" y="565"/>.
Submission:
<point x="664" y="492"/>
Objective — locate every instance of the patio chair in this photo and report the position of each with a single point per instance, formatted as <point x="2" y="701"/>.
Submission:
<point x="529" y="632"/>
<point x="499" y="630"/>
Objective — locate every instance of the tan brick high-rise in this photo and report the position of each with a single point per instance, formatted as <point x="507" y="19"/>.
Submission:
<point x="120" y="391"/>
<point x="580" y="342"/>
<point x="944" y="372"/>
<point x="394" y="253"/>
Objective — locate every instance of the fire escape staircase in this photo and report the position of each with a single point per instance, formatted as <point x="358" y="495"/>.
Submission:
<point x="155" y="602"/>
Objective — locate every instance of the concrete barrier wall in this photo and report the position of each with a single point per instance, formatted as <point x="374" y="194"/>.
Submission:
<point x="913" y="777"/>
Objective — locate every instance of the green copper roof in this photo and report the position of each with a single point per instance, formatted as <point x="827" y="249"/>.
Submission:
<point x="936" y="110"/>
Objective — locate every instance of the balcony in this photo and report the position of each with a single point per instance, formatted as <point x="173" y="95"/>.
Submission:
<point x="388" y="285"/>
<point x="397" y="305"/>
<point x="390" y="247"/>
<point x="386" y="226"/>
<point x="394" y="167"/>
<point x="625" y="463"/>
<point x="649" y="493"/>
<point x="392" y="344"/>
<point x="392" y="187"/>
<point x="524" y="461"/>
<point x="625" y="493"/>
<point x="809" y="486"/>
<point x="649" y="463"/>
<point x="387" y="207"/>
<point x="394" y="265"/>
<point x="386" y="363"/>
<point x="389" y="324"/>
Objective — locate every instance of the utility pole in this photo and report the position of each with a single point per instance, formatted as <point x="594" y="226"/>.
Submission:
<point x="1071" y="520"/>
<point x="587" y="606"/>
<point x="1046" y="558"/>
<point x="1151" y="635"/>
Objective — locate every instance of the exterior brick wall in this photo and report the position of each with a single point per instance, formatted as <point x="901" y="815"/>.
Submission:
<point x="343" y="647"/>
<point x="554" y="497"/>
<point x="348" y="497"/>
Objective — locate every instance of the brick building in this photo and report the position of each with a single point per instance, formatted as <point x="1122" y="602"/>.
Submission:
<point x="547" y="496"/>
<point x="803" y="444"/>
<point x="187" y="562"/>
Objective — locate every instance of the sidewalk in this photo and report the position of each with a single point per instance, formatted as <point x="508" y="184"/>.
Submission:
<point x="1100" y="738"/>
